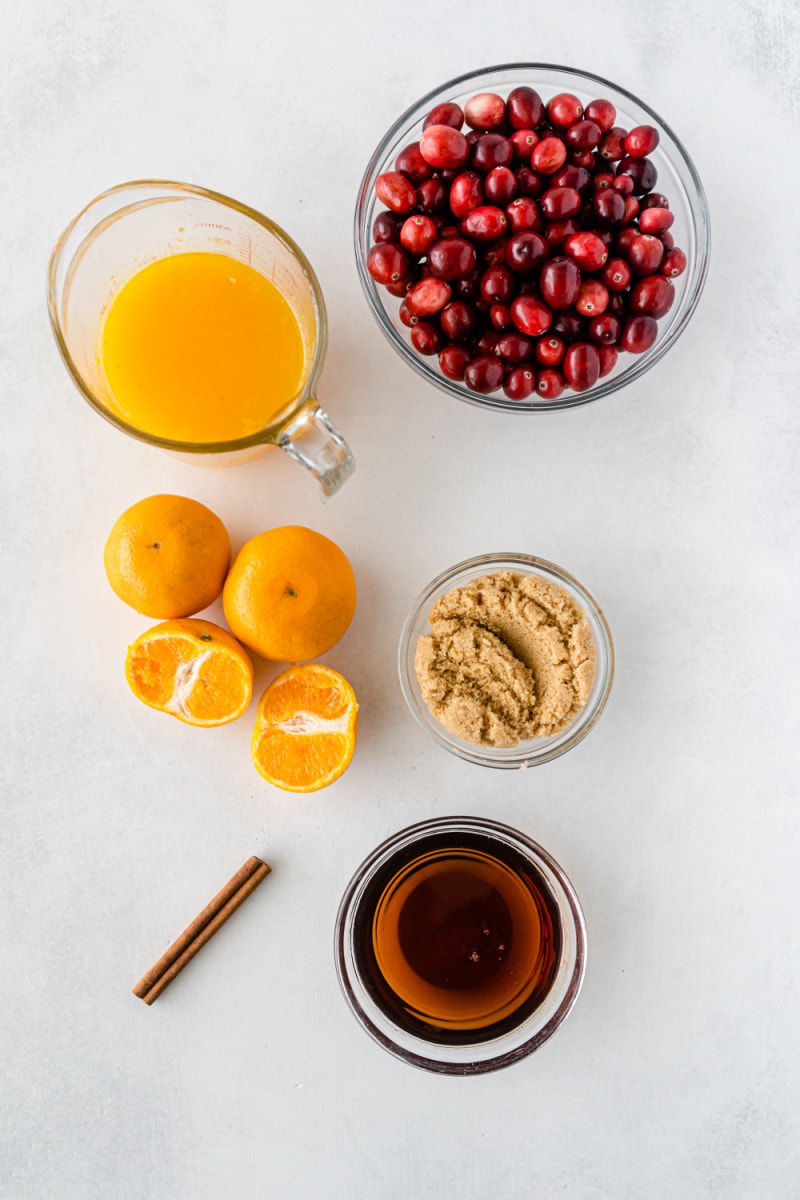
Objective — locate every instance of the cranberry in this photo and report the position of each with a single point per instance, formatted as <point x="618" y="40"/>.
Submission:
<point x="449" y="231"/>
<point x="484" y="374"/>
<point x="609" y="207"/>
<point x="642" y="141"/>
<point x="531" y="316"/>
<point x="500" y="185"/>
<point x="468" y="287"/>
<point x="605" y="329"/>
<point x="528" y="182"/>
<point x="592" y="298"/>
<point x="667" y="239"/>
<point x="652" y="199"/>
<point x="526" y="252"/>
<point x="624" y="185"/>
<point x="453" y="362"/>
<point x="656" y="220"/>
<point x="399" y="287"/>
<point x="431" y="196"/>
<point x="459" y="320"/>
<point x="386" y="227"/>
<point x="645" y="253"/>
<point x="427" y="338"/>
<point x="522" y="144"/>
<point x="452" y="258"/>
<point x="572" y="177"/>
<point x="639" y="334"/>
<point x="653" y="295"/>
<point x="560" y="282"/>
<point x="560" y="202"/>
<point x="445" y="114"/>
<point x="550" y="350"/>
<point x="491" y="150"/>
<point x="569" y="325"/>
<point x="587" y="250"/>
<point x="582" y="158"/>
<point x="550" y="384"/>
<point x="524" y="108"/>
<point x="428" y="297"/>
<point x="673" y="263"/>
<point x="612" y="144"/>
<point x="485" y="223"/>
<point x="564" y="110"/>
<point x="443" y="146"/>
<point x="631" y="210"/>
<point x="515" y="348"/>
<point x="519" y="383"/>
<point x="523" y="213"/>
<point x="608" y="359"/>
<point x="387" y="263"/>
<point x="583" y="135"/>
<point x="406" y="316"/>
<point x="487" y="343"/>
<point x="581" y="366"/>
<point x="485" y="111"/>
<point x="411" y="163"/>
<point x="497" y="285"/>
<point x="557" y="232"/>
<point x="602" y="180"/>
<point x="624" y="238"/>
<point x="417" y="234"/>
<point x="602" y="112"/>
<point x="642" y="172"/>
<point x="500" y="317"/>
<point x="549" y="156"/>
<point x="395" y="191"/>
<point x="466" y="193"/>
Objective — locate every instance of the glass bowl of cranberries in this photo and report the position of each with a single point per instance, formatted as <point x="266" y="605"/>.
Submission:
<point x="531" y="237"/>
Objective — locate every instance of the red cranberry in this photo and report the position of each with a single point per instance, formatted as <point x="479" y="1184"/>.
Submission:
<point x="411" y="163"/>
<point x="639" y="334"/>
<point x="631" y="210"/>
<point x="523" y="213"/>
<point x="468" y="287"/>
<point x="667" y="239"/>
<point x="673" y="263"/>
<point x="387" y="263"/>
<point x="624" y="185"/>
<point x="572" y="177"/>
<point x="624" y="238"/>
<point x="642" y="171"/>
<point x="500" y="185"/>
<point x="491" y="150"/>
<point x="550" y="384"/>
<point x="602" y="112"/>
<point x="487" y="110"/>
<point x="459" y="320"/>
<point x="497" y="285"/>
<point x="583" y="135"/>
<point x="560" y="282"/>
<point x="581" y="366"/>
<point x="395" y="191"/>
<point x="453" y="362"/>
<point x="608" y="359"/>
<point x="522" y="144"/>
<point x="653" y="199"/>
<point x="466" y="193"/>
<point x="399" y="287"/>
<point x="557" y="232"/>
<point x="487" y="343"/>
<point x="587" y="250"/>
<point x="605" y="329"/>
<point x="431" y="196"/>
<point x="531" y="316"/>
<point x="406" y="316"/>
<point x="484" y="374"/>
<point x="569" y="326"/>
<point x="417" y="234"/>
<point x="515" y="348"/>
<point x="602" y="180"/>
<point x="582" y="158"/>
<point x="443" y="146"/>
<point x="652" y="295"/>
<point x="386" y="227"/>
<point x="550" y="350"/>
<point x="641" y="141"/>
<point x="445" y="114"/>
<point x="609" y="207"/>
<point x="549" y="156"/>
<point x="500" y="317"/>
<point x="564" y="110"/>
<point x="592" y="298"/>
<point x="427" y="338"/>
<point x="485" y="223"/>
<point x="528" y="182"/>
<point x="526" y="252"/>
<point x="452" y="258"/>
<point x="656" y="220"/>
<point x="519" y="383"/>
<point x="428" y="297"/>
<point x="524" y="108"/>
<point x="560" y="202"/>
<point x="612" y="144"/>
<point x="645" y="253"/>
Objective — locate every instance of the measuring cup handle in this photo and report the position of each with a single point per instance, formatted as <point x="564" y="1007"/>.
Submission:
<point x="313" y="440"/>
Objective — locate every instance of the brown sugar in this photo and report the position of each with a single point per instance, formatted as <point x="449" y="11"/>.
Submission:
<point x="509" y="657"/>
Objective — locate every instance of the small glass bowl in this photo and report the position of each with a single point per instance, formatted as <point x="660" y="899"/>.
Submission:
<point x="537" y="750"/>
<point x="535" y="1027"/>
<point x="677" y="179"/>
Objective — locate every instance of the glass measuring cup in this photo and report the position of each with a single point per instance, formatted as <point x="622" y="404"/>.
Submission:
<point x="134" y="224"/>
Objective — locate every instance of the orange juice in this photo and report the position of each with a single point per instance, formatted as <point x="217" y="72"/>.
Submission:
<point x="201" y="348"/>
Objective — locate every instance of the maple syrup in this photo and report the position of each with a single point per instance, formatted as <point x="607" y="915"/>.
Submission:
<point x="457" y="943"/>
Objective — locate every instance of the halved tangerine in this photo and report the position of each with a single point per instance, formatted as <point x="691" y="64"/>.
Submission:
<point x="306" y="729"/>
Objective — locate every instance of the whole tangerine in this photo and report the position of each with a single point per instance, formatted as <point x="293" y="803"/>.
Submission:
<point x="290" y="594"/>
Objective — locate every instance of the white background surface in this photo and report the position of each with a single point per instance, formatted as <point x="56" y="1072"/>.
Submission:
<point x="674" y="501"/>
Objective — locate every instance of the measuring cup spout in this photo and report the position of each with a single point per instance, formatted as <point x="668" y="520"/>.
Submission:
<point x="313" y="440"/>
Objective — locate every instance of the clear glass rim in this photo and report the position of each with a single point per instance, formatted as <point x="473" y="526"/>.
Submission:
<point x="639" y="364"/>
<point x="165" y="190"/>
<point x="478" y="1058"/>
<point x="526" y="754"/>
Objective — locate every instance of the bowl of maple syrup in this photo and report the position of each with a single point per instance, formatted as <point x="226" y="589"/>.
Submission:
<point x="460" y="945"/>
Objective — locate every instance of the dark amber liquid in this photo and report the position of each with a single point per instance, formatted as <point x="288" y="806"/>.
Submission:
<point x="458" y="943"/>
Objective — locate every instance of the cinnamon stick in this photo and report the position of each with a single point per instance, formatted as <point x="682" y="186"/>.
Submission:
<point x="201" y="930"/>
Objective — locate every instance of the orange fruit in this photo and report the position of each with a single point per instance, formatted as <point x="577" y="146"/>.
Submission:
<point x="192" y="670"/>
<point x="290" y="594"/>
<point x="167" y="556"/>
<point x="305" y="733"/>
